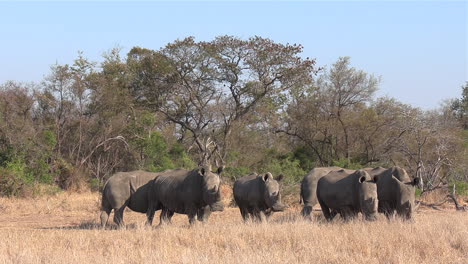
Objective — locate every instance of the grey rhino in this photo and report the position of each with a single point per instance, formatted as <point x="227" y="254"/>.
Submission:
<point x="125" y="189"/>
<point x="195" y="192"/>
<point x="348" y="194"/>
<point x="396" y="191"/>
<point x="258" y="196"/>
<point x="309" y="187"/>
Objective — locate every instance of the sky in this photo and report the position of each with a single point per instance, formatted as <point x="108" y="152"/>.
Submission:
<point x="419" y="48"/>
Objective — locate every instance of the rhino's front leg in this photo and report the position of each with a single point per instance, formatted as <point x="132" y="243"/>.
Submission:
<point x="165" y="217"/>
<point x="203" y="214"/>
<point x="192" y="216"/>
<point x="259" y="215"/>
<point x="262" y="216"/>
<point x="245" y="213"/>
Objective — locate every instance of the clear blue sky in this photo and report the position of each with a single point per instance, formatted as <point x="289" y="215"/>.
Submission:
<point x="419" y="48"/>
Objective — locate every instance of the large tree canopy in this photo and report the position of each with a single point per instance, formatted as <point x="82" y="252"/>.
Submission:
<point x="205" y="87"/>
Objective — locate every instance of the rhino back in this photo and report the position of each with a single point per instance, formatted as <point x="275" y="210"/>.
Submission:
<point x="140" y="183"/>
<point x="128" y="187"/>
<point x="247" y="191"/>
<point x="116" y="190"/>
<point x="386" y="187"/>
<point x="338" y="189"/>
<point x="179" y="190"/>
<point x="309" y="184"/>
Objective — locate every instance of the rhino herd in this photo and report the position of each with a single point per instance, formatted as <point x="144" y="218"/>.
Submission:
<point x="197" y="193"/>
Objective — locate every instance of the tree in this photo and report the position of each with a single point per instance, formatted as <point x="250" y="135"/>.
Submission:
<point x="206" y="87"/>
<point x="460" y="107"/>
<point x="337" y="101"/>
<point x="342" y="89"/>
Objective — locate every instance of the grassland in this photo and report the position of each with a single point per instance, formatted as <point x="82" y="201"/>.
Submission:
<point x="63" y="229"/>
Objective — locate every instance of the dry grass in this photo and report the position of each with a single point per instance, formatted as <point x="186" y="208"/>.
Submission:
<point x="62" y="229"/>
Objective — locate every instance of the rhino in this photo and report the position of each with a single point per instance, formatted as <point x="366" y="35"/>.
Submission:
<point x="125" y="189"/>
<point x="396" y="191"/>
<point x="194" y="193"/>
<point x="348" y="194"/>
<point x="258" y="196"/>
<point x="309" y="188"/>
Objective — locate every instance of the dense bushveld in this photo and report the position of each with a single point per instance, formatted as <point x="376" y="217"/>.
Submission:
<point x="253" y="105"/>
<point x="63" y="229"/>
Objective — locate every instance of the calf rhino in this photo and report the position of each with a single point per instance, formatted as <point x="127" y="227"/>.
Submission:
<point x="125" y="189"/>
<point x="348" y="194"/>
<point x="193" y="193"/>
<point x="396" y="191"/>
<point x="309" y="187"/>
<point x="258" y="196"/>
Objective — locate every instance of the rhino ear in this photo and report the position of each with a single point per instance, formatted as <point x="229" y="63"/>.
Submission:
<point x="201" y="171"/>
<point x="362" y="179"/>
<point x="220" y="169"/>
<point x="267" y="176"/>
<point x="280" y="177"/>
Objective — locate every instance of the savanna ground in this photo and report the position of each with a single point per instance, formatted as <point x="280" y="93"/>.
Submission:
<point x="63" y="229"/>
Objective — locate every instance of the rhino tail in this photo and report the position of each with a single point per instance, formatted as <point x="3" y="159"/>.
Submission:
<point x="300" y="199"/>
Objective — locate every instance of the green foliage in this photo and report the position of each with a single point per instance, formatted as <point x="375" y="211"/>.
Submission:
<point x="15" y="180"/>
<point x="460" y="186"/>
<point x="306" y="157"/>
<point x="234" y="173"/>
<point x="345" y="163"/>
<point x="156" y="155"/>
<point x="180" y="158"/>
<point x="418" y="192"/>
<point x="159" y="158"/>
<point x="95" y="185"/>
<point x="284" y="164"/>
<point x="50" y="138"/>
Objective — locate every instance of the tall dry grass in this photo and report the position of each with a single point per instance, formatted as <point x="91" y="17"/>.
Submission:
<point x="62" y="229"/>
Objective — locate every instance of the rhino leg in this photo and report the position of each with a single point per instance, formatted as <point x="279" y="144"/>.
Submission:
<point x="245" y="213"/>
<point x="262" y="217"/>
<point x="203" y="214"/>
<point x="192" y="216"/>
<point x="259" y="215"/>
<point x="348" y="213"/>
<point x="268" y="212"/>
<point x="150" y="215"/>
<point x="105" y="212"/>
<point x="306" y="212"/>
<point x="105" y="216"/>
<point x="326" y="211"/>
<point x="118" y="216"/>
<point x="386" y="208"/>
<point x="165" y="217"/>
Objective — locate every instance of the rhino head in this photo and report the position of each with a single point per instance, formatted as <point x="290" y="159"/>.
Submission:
<point x="405" y="192"/>
<point x="211" y="188"/>
<point x="271" y="192"/>
<point x="368" y="195"/>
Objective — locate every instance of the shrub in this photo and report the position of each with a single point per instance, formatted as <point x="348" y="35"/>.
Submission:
<point x="347" y="164"/>
<point x="15" y="180"/>
<point x="461" y="187"/>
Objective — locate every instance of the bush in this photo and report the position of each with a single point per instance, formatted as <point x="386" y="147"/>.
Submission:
<point x="344" y="163"/>
<point x="234" y="173"/>
<point x="461" y="187"/>
<point x="284" y="164"/>
<point x="15" y="179"/>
